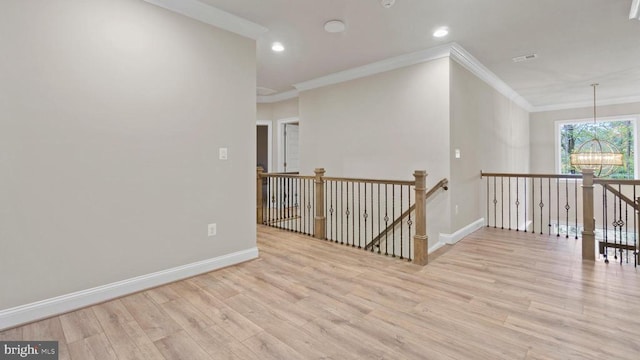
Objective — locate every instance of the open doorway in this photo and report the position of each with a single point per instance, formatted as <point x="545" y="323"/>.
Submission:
<point x="288" y="145"/>
<point x="263" y="145"/>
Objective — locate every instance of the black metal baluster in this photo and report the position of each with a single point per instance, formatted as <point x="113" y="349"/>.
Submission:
<point x="379" y="221"/>
<point x="495" y="205"/>
<point x="353" y="218"/>
<point x="278" y="203"/>
<point x="297" y="205"/>
<point x="605" y="225"/>
<point x="620" y="222"/>
<point x="509" y="202"/>
<point x="372" y="212"/>
<point x="282" y="206"/>
<point x="568" y="207"/>
<point x="502" y="202"/>
<point x="626" y="232"/>
<point x="558" y="208"/>
<point x="533" y="206"/>
<point x="541" y="206"/>
<point x="303" y="205"/>
<point x="401" y="239"/>
<point x="615" y="229"/>
<point x="365" y="216"/>
<point x="488" y="219"/>
<point x="409" y="222"/>
<point x="334" y="228"/>
<point x="287" y="205"/>
<point x="575" y="204"/>
<point x="393" y="216"/>
<point x="525" y="204"/>
<point x="347" y="213"/>
<point x="341" y="212"/>
<point x="517" y="204"/>
<point x="636" y="253"/>
<point x="268" y="201"/>
<point x="549" y="211"/>
<point x="290" y="209"/>
<point x="386" y="220"/>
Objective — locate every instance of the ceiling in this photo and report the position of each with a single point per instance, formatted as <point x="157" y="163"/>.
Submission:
<point x="578" y="42"/>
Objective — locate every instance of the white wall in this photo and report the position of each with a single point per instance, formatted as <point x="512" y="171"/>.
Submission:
<point x="111" y="114"/>
<point x="383" y="126"/>
<point x="492" y="134"/>
<point x="543" y="130"/>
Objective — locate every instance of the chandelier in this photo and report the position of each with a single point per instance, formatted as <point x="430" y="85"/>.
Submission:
<point x="596" y="154"/>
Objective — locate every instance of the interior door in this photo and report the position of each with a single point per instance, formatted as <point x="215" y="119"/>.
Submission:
<point x="291" y="148"/>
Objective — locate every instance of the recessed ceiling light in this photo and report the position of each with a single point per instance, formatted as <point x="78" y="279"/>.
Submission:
<point x="334" y="26"/>
<point x="277" y="47"/>
<point x="387" y="3"/>
<point x="441" y="32"/>
<point x="525" y="58"/>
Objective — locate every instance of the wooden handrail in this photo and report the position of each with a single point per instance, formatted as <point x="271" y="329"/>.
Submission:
<point x="442" y="184"/>
<point x="372" y="181"/>
<point x="283" y="175"/>
<point x="616" y="181"/>
<point x="544" y="176"/>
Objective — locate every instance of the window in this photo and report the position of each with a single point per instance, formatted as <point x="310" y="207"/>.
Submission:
<point x="619" y="132"/>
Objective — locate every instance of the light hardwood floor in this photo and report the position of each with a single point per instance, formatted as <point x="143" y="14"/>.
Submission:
<point x="495" y="295"/>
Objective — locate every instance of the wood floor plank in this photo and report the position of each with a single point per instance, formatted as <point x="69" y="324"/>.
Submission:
<point x="48" y="330"/>
<point x="494" y="295"/>
<point x="180" y="346"/>
<point x="151" y="318"/>
<point x="96" y="347"/>
<point x="80" y="325"/>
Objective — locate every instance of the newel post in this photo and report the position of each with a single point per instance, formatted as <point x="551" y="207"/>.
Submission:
<point x="420" y="239"/>
<point x="259" y="208"/>
<point x="320" y="219"/>
<point x="588" y="221"/>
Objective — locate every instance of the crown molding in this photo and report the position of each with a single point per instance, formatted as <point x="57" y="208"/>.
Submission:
<point x="376" y="68"/>
<point x="212" y="16"/>
<point x="268" y="99"/>
<point x="589" y="104"/>
<point x="462" y="57"/>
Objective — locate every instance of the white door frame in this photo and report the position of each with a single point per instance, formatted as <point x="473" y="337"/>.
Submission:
<point x="281" y="123"/>
<point x="269" y="125"/>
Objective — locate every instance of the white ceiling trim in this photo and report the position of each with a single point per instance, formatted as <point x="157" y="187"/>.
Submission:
<point x="462" y="57"/>
<point x="455" y="52"/>
<point x="212" y="16"/>
<point x="267" y="99"/>
<point x="376" y="68"/>
<point x="603" y="102"/>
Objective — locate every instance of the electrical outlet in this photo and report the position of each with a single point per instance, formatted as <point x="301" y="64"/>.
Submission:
<point x="212" y="229"/>
<point x="456" y="209"/>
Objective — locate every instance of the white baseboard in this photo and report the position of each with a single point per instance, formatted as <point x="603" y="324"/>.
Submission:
<point x="65" y="303"/>
<point x="451" y="239"/>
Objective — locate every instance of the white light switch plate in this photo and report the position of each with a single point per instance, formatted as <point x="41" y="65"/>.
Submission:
<point x="223" y="153"/>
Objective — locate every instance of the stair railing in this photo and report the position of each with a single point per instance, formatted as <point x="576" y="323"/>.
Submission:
<point x="348" y="211"/>
<point x="442" y="184"/>
<point x="569" y="206"/>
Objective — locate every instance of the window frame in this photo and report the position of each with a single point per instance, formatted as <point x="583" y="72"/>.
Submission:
<point x="558" y="137"/>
